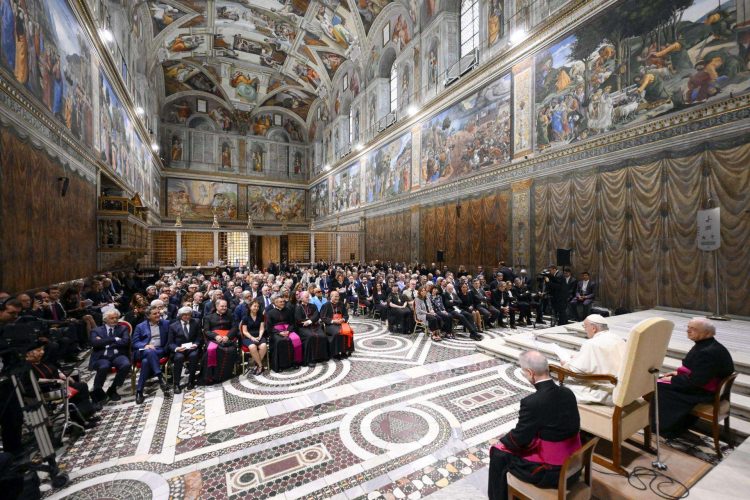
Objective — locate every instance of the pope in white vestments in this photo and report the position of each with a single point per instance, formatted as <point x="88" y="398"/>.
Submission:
<point x="602" y="353"/>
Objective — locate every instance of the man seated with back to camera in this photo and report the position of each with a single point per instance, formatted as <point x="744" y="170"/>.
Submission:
<point x="546" y="434"/>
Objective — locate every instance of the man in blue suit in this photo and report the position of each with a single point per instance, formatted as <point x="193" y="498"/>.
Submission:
<point x="150" y="343"/>
<point x="110" y="350"/>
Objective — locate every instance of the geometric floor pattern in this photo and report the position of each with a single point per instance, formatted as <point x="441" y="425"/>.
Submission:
<point x="402" y="418"/>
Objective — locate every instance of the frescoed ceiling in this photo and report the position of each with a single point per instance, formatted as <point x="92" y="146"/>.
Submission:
<point x="260" y="54"/>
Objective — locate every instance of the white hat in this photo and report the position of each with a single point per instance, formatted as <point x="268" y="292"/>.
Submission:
<point x="597" y="319"/>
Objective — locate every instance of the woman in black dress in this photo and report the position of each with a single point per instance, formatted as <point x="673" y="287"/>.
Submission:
<point x="307" y="322"/>
<point x="285" y="346"/>
<point x="253" y="335"/>
<point x="380" y="301"/>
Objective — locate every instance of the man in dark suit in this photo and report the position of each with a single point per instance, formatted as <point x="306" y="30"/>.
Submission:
<point x="150" y="344"/>
<point x="481" y="304"/>
<point x="548" y="426"/>
<point x="185" y="330"/>
<point x="558" y="292"/>
<point x="110" y="350"/>
<point x="364" y="292"/>
<point x="452" y="303"/>
<point x="584" y="296"/>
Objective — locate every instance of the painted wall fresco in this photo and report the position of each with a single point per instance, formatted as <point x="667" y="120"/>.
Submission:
<point x="45" y="50"/>
<point x="163" y="15"/>
<point x="470" y="135"/>
<point x="181" y="76"/>
<point x="668" y="56"/>
<point x="275" y="204"/>
<point x="389" y="170"/>
<point x="346" y="188"/>
<point x="369" y="10"/>
<point x="319" y="200"/>
<point x="199" y="199"/>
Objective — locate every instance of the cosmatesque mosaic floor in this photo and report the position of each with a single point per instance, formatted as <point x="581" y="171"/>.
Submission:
<point x="403" y="417"/>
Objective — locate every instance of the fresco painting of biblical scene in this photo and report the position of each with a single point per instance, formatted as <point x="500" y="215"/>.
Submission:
<point x="332" y="26"/>
<point x="346" y="188"/>
<point x="389" y="170"/>
<point x="296" y="100"/>
<point x="120" y="147"/>
<point x="319" y="202"/>
<point x="43" y="47"/>
<point x="668" y="56"/>
<point x="181" y="76"/>
<point x="201" y="199"/>
<point x="275" y="204"/>
<point x="470" y="135"/>
<point x="369" y="10"/>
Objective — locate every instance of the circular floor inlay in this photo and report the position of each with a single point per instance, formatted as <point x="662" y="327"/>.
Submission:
<point x="399" y="427"/>
<point x="379" y="342"/>
<point x="124" y="489"/>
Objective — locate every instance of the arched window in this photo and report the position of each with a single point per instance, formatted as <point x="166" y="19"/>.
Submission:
<point x="351" y="126"/>
<point x="394" y="88"/>
<point x="469" y="26"/>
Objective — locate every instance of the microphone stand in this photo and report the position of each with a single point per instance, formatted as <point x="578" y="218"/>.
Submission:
<point x="657" y="464"/>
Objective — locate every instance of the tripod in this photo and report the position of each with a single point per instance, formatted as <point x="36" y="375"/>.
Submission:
<point x="35" y="417"/>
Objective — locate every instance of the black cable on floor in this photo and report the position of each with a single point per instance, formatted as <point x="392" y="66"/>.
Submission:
<point x="654" y="480"/>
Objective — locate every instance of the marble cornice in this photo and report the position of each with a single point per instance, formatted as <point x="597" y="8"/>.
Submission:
<point x="234" y="177"/>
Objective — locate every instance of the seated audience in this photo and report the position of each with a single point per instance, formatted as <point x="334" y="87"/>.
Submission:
<point x="602" y="353"/>
<point x="185" y="330"/>
<point x="436" y="301"/>
<point x="501" y="299"/>
<point x="380" y="301"/>
<point x="454" y="305"/>
<point x="285" y="344"/>
<point x="221" y="348"/>
<point x="425" y="313"/>
<point x="150" y="344"/>
<point x="340" y="336"/>
<point x="253" y="335"/>
<point x="307" y="325"/>
<point x="109" y="344"/>
<point x="704" y="366"/>
<point x="467" y="304"/>
<point x="319" y="299"/>
<point x="546" y="434"/>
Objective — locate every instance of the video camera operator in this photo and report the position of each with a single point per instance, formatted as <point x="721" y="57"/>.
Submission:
<point x="558" y="292"/>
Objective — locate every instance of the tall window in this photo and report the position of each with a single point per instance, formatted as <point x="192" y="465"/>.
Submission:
<point x="351" y="125"/>
<point x="469" y="26"/>
<point x="394" y="88"/>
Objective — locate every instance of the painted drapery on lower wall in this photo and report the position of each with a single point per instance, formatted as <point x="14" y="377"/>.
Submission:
<point x="44" y="237"/>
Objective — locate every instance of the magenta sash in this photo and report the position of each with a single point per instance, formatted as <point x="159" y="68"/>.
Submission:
<point x="212" y="361"/>
<point x="547" y="452"/>
<point x="294" y="338"/>
<point x="710" y="386"/>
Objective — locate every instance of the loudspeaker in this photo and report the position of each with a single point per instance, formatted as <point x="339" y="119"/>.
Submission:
<point x="563" y="256"/>
<point x="351" y="256"/>
<point x="64" y="187"/>
<point x="440" y="256"/>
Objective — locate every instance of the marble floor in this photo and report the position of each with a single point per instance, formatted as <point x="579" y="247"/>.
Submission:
<point x="403" y="417"/>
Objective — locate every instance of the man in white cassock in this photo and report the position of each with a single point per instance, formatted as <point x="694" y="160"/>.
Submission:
<point x="602" y="353"/>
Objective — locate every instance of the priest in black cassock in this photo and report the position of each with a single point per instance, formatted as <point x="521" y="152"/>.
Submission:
<point x="307" y="322"/>
<point x="696" y="381"/>
<point x="221" y="352"/>
<point x="285" y="348"/>
<point x="546" y="434"/>
<point x="333" y="314"/>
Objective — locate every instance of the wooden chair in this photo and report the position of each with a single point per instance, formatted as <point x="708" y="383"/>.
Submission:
<point x="717" y="411"/>
<point x="647" y="346"/>
<point x="419" y="325"/>
<point x="580" y="460"/>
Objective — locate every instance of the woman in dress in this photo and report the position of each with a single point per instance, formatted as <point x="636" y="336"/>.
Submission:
<point x="380" y="301"/>
<point x="307" y="322"/>
<point x="253" y="336"/>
